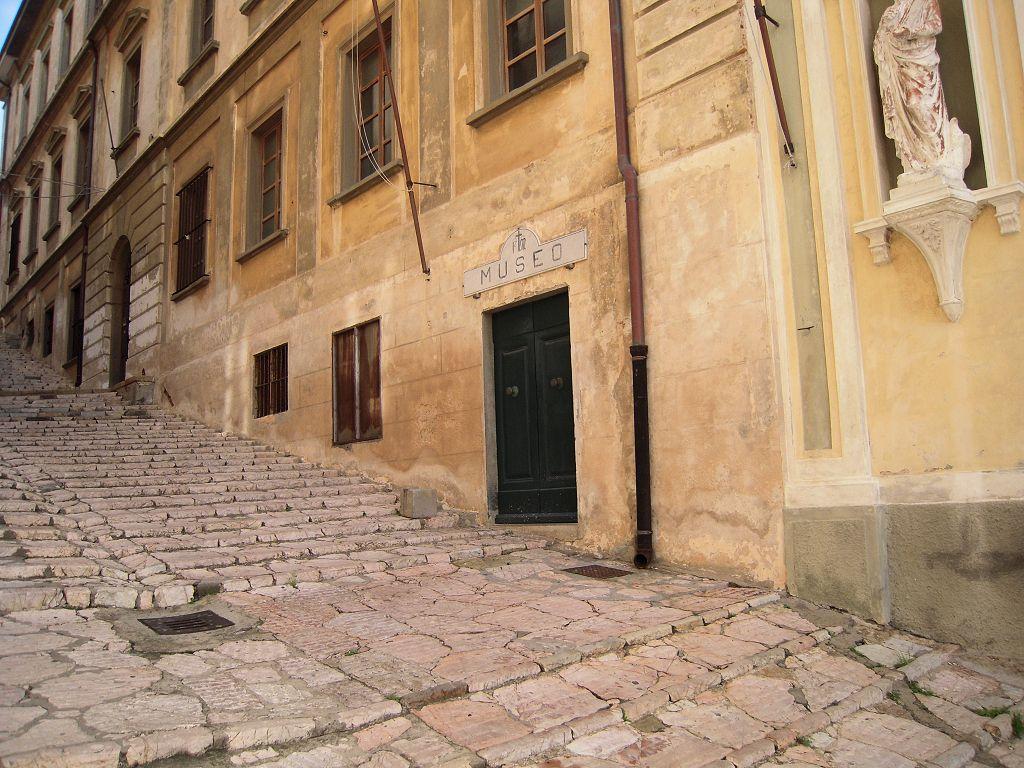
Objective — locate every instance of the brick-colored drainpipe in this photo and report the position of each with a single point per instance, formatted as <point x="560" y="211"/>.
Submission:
<point x="638" y="347"/>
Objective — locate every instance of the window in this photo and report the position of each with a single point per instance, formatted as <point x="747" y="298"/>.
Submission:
<point x="357" y="403"/>
<point x="65" y="40"/>
<point x="12" y="264"/>
<point x="130" y="95"/>
<point x="76" y="314"/>
<point x="202" y="20"/>
<point x="48" y="331"/>
<point x="375" y="121"/>
<point x="33" y="221"/>
<point x="82" y="158"/>
<point x="56" y="192"/>
<point x="267" y="178"/>
<point x="192" y="221"/>
<point x="535" y="39"/>
<point x="30" y="335"/>
<point x="271" y="381"/>
<point x="44" y="78"/>
<point x="26" y="100"/>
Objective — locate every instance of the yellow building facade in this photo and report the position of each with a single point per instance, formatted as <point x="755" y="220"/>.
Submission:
<point x="833" y="403"/>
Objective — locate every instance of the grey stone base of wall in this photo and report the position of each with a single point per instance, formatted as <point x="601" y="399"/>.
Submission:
<point x="950" y="571"/>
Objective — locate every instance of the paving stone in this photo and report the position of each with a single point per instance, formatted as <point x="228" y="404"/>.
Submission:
<point x="904" y="737"/>
<point x="881" y="654"/>
<point x="471" y="724"/>
<point x="384" y="733"/>
<point x="545" y="702"/>
<point x="766" y="699"/>
<point x="260" y="733"/>
<point x="721" y="723"/>
<point x="156" y="746"/>
<point x="45" y="734"/>
<point x="13" y="719"/>
<point x="145" y="712"/>
<point x="94" y="755"/>
<point x="31" y="669"/>
<point x="84" y="689"/>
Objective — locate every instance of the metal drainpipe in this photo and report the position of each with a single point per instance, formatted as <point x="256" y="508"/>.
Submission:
<point x="88" y="202"/>
<point x="638" y="348"/>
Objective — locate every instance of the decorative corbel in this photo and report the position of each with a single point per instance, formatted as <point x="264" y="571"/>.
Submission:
<point x="1006" y="199"/>
<point x="877" y="233"/>
<point x="937" y="219"/>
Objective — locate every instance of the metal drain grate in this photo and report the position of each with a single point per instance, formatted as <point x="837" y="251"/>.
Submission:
<point x="597" y="571"/>
<point x="187" y="624"/>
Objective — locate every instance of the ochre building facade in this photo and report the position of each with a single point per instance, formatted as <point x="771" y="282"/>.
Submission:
<point x="204" y="203"/>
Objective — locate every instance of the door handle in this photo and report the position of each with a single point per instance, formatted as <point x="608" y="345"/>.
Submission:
<point x="557" y="383"/>
<point x="512" y="391"/>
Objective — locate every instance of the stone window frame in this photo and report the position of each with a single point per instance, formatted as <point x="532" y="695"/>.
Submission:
<point x="131" y="89"/>
<point x="493" y="96"/>
<point x="347" y="179"/>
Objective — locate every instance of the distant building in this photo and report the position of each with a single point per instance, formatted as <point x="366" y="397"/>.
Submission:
<point x="206" y="201"/>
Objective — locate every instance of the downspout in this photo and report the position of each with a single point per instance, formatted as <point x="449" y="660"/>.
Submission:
<point x="638" y="346"/>
<point x="88" y="202"/>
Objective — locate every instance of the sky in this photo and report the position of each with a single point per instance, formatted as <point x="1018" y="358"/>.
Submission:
<point x="8" y="8"/>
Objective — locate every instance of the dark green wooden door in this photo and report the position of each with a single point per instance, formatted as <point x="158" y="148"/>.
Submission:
<point x="533" y="406"/>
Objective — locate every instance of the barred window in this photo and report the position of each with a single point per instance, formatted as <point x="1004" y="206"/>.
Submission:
<point x="56" y="191"/>
<point x="271" y="381"/>
<point x="33" y="222"/>
<point x="48" y="331"/>
<point x="535" y="38"/>
<point x="15" y="244"/>
<point x="76" y="313"/>
<point x="192" y="221"/>
<point x="357" y="400"/>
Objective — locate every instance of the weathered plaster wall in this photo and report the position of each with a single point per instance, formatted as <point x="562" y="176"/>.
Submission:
<point x="548" y="164"/>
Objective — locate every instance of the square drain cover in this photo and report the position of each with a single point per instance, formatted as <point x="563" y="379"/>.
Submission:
<point x="187" y="624"/>
<point x="598" y="571"/>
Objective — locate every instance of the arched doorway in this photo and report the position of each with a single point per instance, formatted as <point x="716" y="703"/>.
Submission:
<point x="121" y="299"/>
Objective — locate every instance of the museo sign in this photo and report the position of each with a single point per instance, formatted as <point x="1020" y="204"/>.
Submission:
<point x="522" y="255"/>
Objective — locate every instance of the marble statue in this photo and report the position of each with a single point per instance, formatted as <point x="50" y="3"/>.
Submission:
<point x="929" y="144"/>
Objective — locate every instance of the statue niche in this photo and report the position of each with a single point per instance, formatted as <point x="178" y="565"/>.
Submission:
<point x="928" y="143"/>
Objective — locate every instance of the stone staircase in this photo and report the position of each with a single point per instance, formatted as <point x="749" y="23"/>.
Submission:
<point x="20" y="372"/>
<point x="108" y="504"/>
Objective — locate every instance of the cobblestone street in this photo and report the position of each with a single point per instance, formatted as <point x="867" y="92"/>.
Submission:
<point x="359" y="637"/>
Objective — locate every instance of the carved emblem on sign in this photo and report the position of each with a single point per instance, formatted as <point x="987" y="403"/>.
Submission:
<point x="522" y="255"/>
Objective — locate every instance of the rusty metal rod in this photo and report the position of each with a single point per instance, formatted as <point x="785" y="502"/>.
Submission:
<point x="762" y="21"/>
<point x="638" y="348"/>
<point x="401" y="137"/>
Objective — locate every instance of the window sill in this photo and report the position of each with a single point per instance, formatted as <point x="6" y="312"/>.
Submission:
<point x="207" y="51"/>
<point x="361" y="186"/>
<point x="262" y="245"/>
<point x="248" y="6"/>
<point x="191" y="288"/>
<point x="11" y="277"/>
<point x="557" y="74"/>
<point x="358" y="441"/>
<point x="126" y="142"/>
<point x="69" y="362"/>
<point x="30" y="256"/>
<point x="77" y="200"/>
<point x="51" y="231"/>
